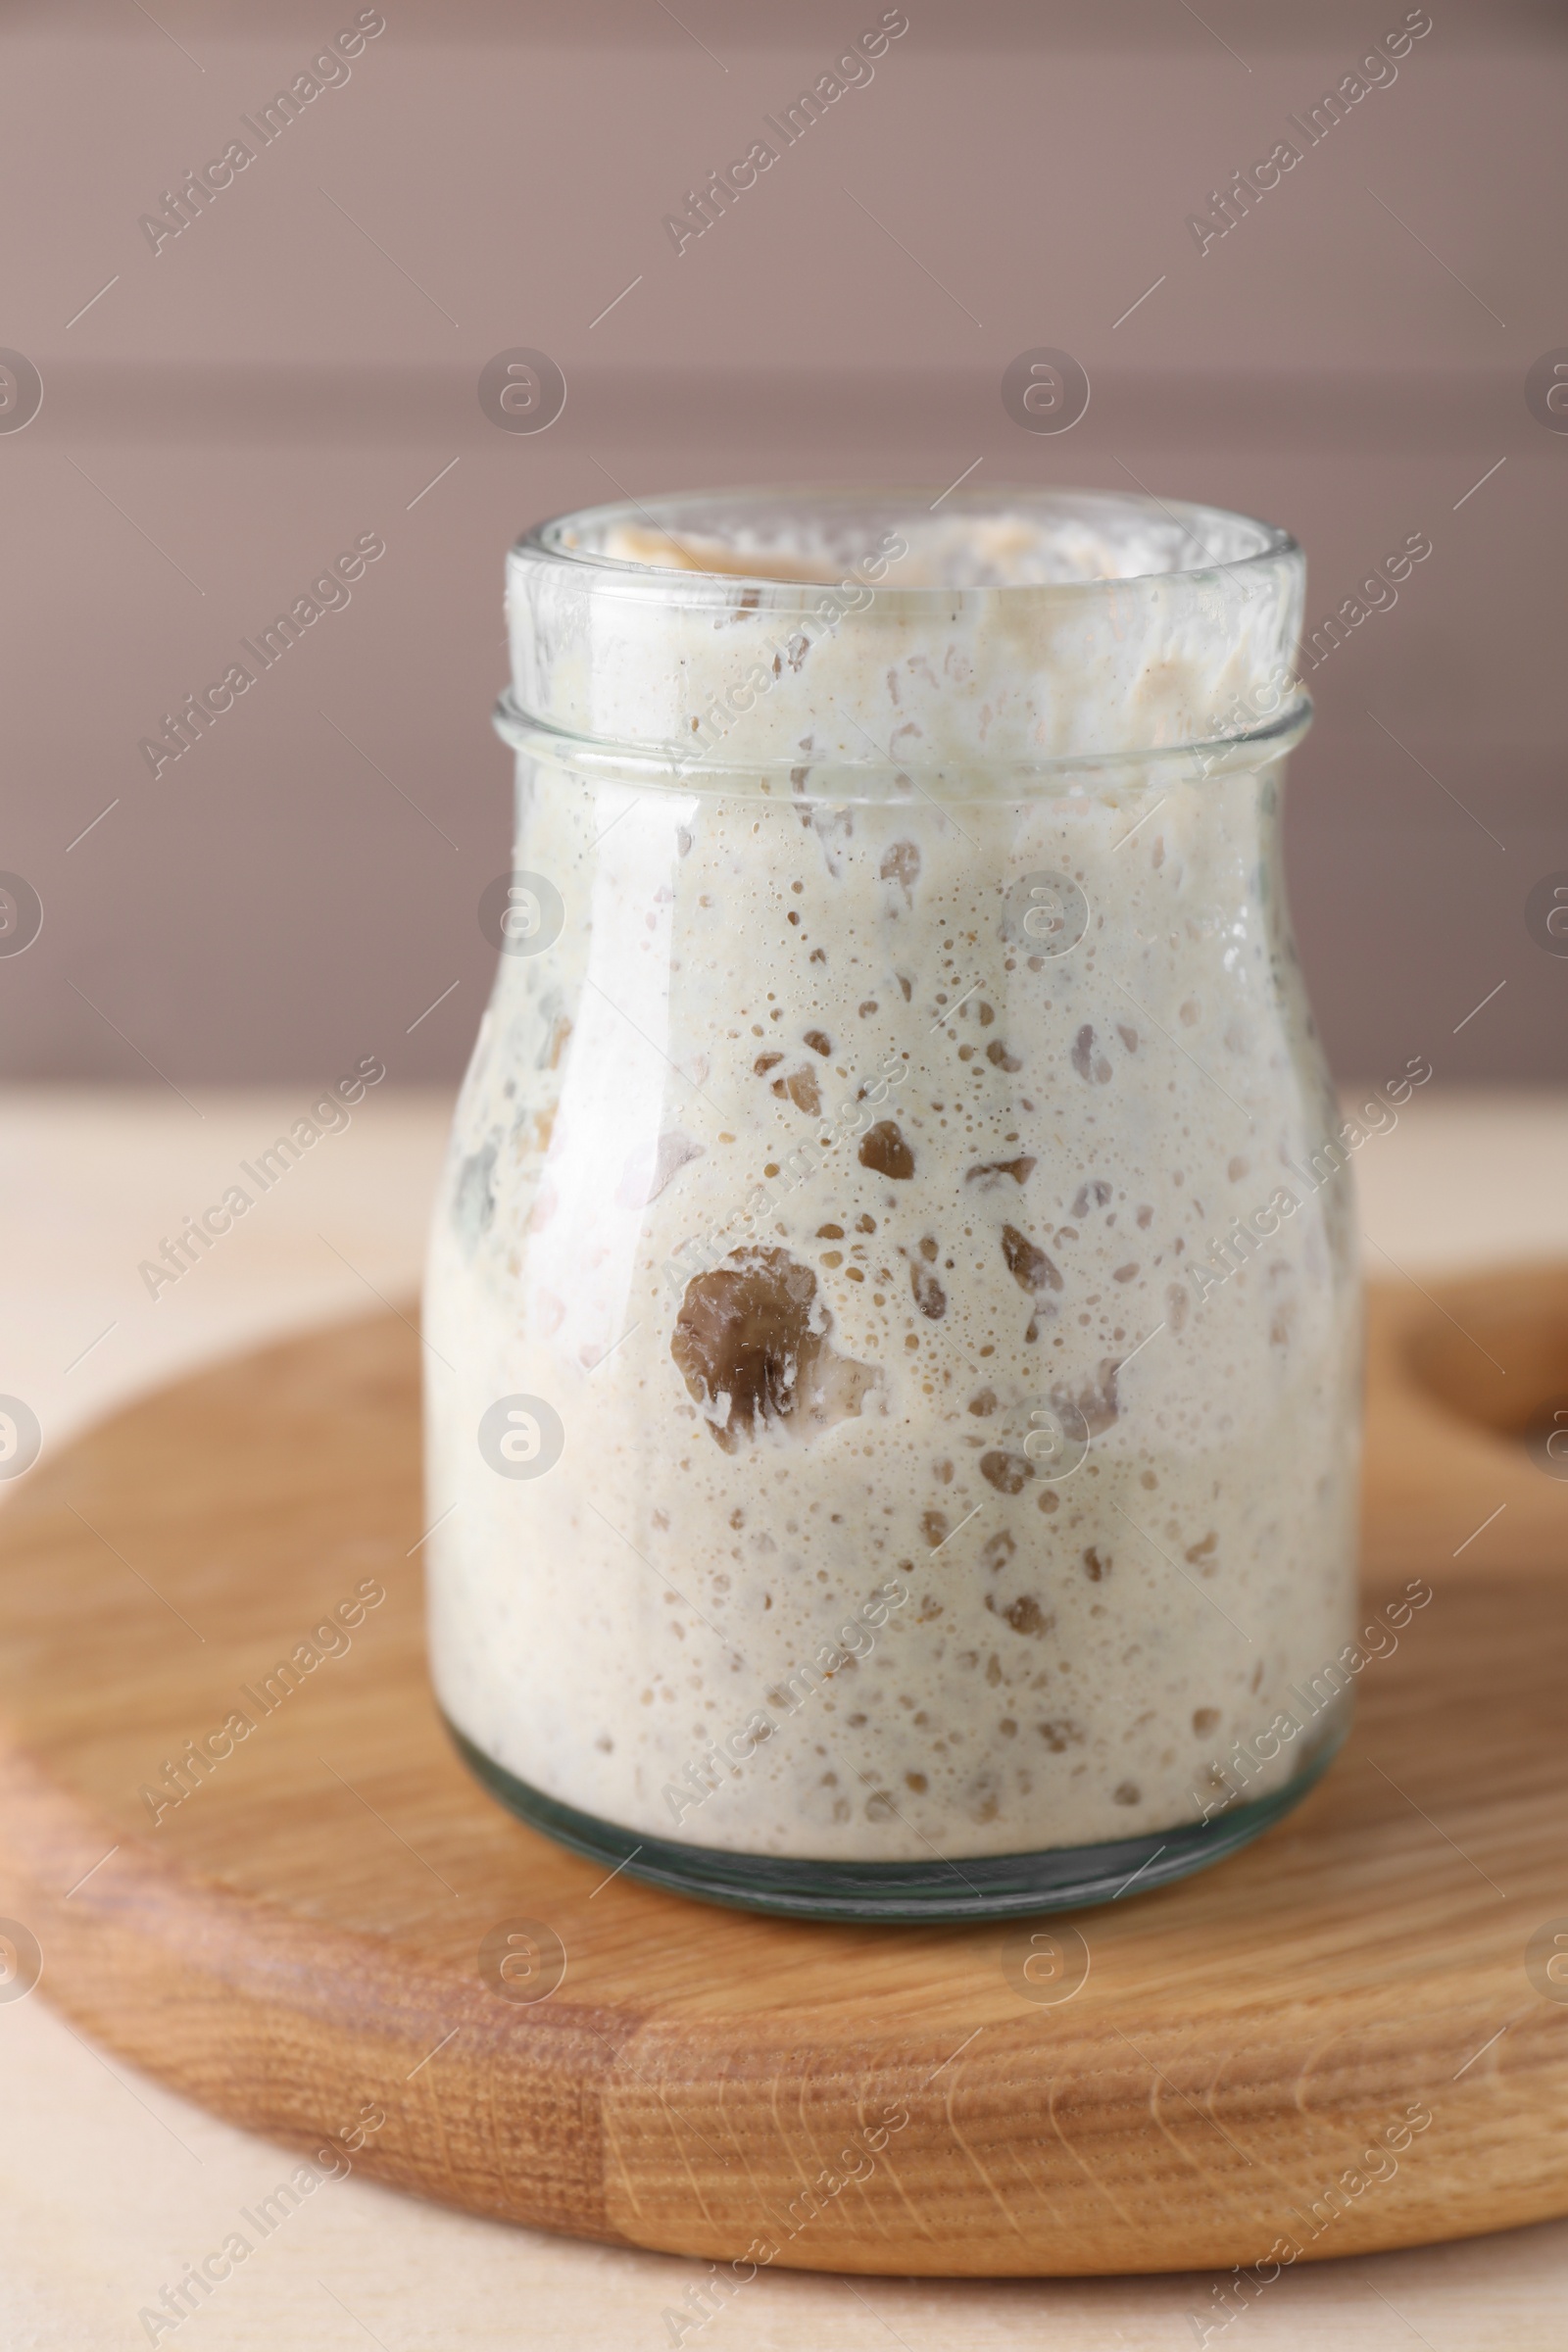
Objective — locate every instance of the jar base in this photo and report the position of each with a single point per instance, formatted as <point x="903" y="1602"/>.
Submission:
<point x="888" y="1894"/>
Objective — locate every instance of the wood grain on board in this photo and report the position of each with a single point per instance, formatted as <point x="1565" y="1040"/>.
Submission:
<point x="1247" y="2061"/>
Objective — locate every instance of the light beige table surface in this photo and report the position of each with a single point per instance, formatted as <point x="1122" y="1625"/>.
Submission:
<point x="110" y="2186"/>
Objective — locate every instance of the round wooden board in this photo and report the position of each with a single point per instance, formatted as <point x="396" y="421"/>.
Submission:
<point x="300" y="1939"/>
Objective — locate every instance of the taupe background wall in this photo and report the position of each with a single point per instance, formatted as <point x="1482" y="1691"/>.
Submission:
<point x="300" y="363"/>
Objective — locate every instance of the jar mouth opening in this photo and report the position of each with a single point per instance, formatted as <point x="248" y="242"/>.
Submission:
<point x="919" y="546"/>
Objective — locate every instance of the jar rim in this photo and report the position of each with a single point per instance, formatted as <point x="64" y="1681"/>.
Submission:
<point x="969" y="627"/>
<point x="566" y="540"/>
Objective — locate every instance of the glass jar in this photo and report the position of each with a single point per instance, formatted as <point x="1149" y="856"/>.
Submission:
<point x="893" y="1379"/>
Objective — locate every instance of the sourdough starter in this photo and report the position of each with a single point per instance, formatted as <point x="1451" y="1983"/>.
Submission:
<point x="806" y="1182"/>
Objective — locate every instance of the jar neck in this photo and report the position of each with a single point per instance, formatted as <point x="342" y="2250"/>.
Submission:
<point x="1235" y="747"/>
<point x="1028" y="633"/>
